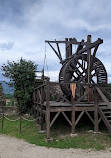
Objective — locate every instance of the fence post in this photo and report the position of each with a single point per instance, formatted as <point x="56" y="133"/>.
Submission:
<point x="96" y="123"/>
<point x="20" y="123"/>
<point x="73" y="116"/>
<point x="41" y="120"/>
<point x="47" y="109"/>
<point x="2" y="121"/>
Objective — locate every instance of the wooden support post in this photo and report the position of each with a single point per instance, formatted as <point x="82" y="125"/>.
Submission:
<point x="20" y="123"/>
<point x="70" y="47"/>
<point x="34" y="104"/>
<point x="96" y="121"/>
<point x="41" y="121"/>
<point x="89" y="60"/>
<point x="42" y="74"/>
<point x="67" y="48"/>
<point x="47" y="109"/>
<point x="37" y="116"/>
<point x="73" y="116"/>
<point x="37" y="105"/>
<point x="2" y="122"/>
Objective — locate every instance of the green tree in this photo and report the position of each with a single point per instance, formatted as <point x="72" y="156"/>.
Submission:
<point x="22" y="77"/>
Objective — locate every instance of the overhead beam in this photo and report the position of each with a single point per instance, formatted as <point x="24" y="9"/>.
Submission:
<point x="55" y="51"/>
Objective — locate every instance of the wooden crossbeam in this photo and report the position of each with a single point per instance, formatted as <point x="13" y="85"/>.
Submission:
<point x="66" y="118"/>
<point x="79" y="117"/>
<point x="106" y="122"/>
<point x="104" y="97"/>
<point x="89" y="116"/>
<point x="90" y="46"/>
<point x="105" y="90"/>
<point x="99" y="120"/>
<point x="84" y="95"/>
<point x="39" y="96"/>
<point x="64" y="98"/>
<point x="95" y="50"/>
<point x="52" y="122"/>
<point x="55" y="52"/>
<point x="59" y="51"/>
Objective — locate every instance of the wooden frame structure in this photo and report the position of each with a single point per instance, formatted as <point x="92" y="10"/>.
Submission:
<point x="101" y="108"/>
<point x="77" y="68"/>
<point x="80" y="65"/>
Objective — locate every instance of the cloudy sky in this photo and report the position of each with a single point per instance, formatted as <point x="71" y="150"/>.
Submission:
<point x="26" y="24"/>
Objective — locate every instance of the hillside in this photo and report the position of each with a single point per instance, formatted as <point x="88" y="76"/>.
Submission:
<point x="6" y="88"/>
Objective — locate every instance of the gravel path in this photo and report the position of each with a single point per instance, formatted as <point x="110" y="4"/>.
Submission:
<point x="14" y="148"/>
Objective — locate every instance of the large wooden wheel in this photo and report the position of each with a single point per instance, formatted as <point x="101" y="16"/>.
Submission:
<point x="76" y="70"/>
<point x="81" y="66"/>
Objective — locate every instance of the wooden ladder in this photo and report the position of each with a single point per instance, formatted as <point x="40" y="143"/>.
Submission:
<point x="105" y="110"/>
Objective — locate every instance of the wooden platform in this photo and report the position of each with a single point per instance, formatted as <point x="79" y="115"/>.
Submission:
<point x="99" y="109"/>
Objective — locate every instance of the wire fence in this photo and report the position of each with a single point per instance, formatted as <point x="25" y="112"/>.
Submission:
<point x="20" y="118"/>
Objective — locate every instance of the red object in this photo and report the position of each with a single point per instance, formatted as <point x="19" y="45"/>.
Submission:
<point x="73" y="88"/>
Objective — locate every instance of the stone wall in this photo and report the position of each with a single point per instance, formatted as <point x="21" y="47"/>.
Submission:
<point x="8" y="110"/>
<point x="55" y="91"/>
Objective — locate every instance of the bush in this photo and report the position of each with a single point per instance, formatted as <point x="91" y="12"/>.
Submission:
<point x="22" y="77"/>
<point x="11" y="103"/>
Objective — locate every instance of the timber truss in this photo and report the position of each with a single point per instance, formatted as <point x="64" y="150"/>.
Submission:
<point x="100" y="107"/>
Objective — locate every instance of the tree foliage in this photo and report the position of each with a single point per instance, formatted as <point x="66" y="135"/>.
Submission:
<point x="22" y="77"/>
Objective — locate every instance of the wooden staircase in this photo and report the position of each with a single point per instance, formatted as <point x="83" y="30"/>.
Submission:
<point x="105" y="110"/>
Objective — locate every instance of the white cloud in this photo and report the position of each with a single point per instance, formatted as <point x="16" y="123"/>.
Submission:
<point x="53" y="75"/>
<point x="44" y="20"/>
<point x="109" y="79"/>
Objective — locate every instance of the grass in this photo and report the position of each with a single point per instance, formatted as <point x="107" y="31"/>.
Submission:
<point x="60" y="134"/>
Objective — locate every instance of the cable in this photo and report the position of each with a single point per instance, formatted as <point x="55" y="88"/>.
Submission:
<point x="10" y="119"/>
<point x="19" y="119"/>
<point x="30" y="120"/>
<point x="45" y="62"/>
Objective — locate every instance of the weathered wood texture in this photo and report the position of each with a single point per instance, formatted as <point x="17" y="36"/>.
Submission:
<point x="44" y="107"/>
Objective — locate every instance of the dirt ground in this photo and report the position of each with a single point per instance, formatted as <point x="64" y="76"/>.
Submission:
<point x="14" y="148"/>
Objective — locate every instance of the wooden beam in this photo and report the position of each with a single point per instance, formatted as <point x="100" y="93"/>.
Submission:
<point x="73" y="116"/>
<point x="55" y="52"/>
<point x="42" y="116"/>
<point x="84" y="95"/>
<point x="79" y="117"/>
<point x="67" y="118"/>
<point x="81" y="108"/>
<point x="88" y="46"/>
<point x="99" y="120"/>
<point x="104" y="97"/>
<point x="89" y="116"/>
<point x="55" y="117"/>
<point x="95" y="50"/>
<point x="96" y="121"/>
<point x="67" y="48"/>
<point x="70" y="47"/>
<point x="47" y="109"/>
<point x="59" y="52"/>
<point x="89" y="60"/>
<point x="64" y="98"/>
<point x="47" y="41"/>
<point x="106" y="122"/>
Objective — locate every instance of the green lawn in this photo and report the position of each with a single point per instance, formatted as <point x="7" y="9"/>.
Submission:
<point x="60" y="135"/>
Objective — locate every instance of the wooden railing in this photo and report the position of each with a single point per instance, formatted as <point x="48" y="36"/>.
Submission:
<point x="43" y="108"/>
